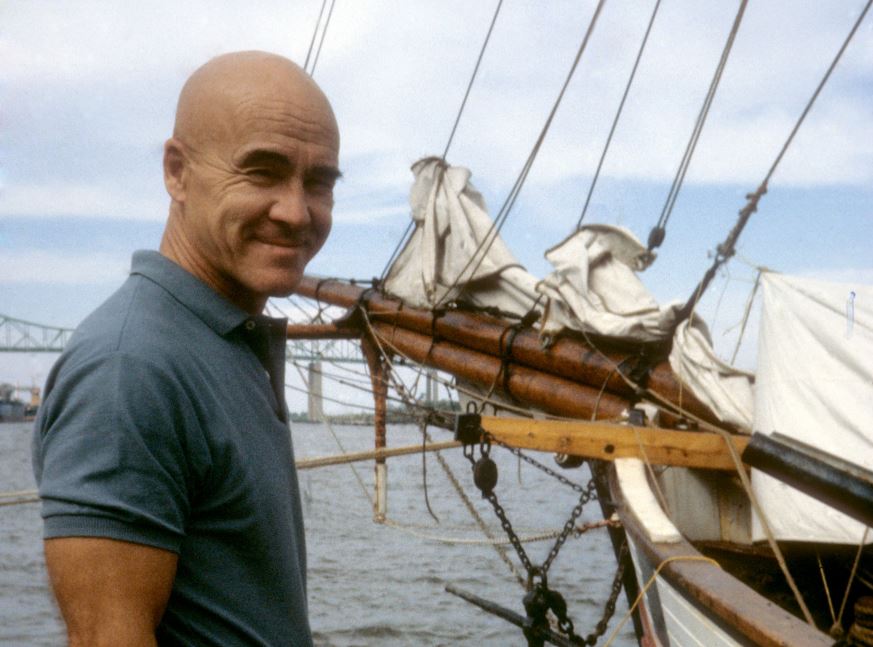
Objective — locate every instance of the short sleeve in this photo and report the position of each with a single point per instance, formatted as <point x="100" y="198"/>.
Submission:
<point x="115" y="453"/>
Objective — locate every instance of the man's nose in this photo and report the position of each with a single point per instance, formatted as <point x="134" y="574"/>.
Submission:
<point x="291" y="205"/>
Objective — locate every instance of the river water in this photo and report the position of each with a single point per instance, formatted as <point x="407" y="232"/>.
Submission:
<point x="369" y="584"/>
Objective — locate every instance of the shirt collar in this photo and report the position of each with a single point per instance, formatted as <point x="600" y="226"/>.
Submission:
<point x="216" y="312"/>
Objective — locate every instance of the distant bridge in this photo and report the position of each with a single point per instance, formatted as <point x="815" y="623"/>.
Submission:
<point x="20" y="336"/>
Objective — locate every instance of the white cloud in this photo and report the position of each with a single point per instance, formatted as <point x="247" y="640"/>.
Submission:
<point x="396" y="73"/>
<point x="369" y="215"/>
<point x="82" y="199"/>
<point x="87" y="40"/>
<point x="61" y="268"/>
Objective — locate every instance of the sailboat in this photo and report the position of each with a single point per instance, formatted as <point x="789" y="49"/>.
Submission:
<point x="738" y="504"/>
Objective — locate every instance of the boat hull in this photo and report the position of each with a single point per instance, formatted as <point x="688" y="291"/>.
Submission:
<point x="687" y="599"/>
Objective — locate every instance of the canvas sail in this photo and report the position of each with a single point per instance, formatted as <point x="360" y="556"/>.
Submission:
<point x="451" y="223"/>
<point x="814" y="384"/>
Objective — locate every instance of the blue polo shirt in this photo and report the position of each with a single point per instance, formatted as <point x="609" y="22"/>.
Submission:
<point x="164" y="423"/>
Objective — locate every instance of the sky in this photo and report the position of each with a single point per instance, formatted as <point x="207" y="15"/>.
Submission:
<point x="88" y="91"/>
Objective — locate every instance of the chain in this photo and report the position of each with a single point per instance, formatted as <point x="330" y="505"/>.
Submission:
<point x="545" y="468"/>
<point x="510" y="533"/>
<point x="559" y="608"/>
<point x="609" y="607"/>
<point x="540" y="598"/>
<point x="587" y="493"/>
<point x="569" y="526"/>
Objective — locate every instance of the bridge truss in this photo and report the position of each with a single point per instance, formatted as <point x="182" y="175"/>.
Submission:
<point x="20" y="336"/>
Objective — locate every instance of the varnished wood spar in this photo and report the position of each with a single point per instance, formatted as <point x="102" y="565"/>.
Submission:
<point x="379" y="381"/>
<point x="609" y="441"/>
<point x="549" y="393"/>
<point x="321" y="331"/>
<point x="568" y="357"/>
<point x="378" y="454"/>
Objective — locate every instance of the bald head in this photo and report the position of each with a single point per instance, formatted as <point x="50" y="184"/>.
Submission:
<point x="250" y="170"/>
<point x="218" y="91"/>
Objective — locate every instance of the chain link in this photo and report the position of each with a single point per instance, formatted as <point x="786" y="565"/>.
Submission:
<point x="569" y="526"/>
<point x="609" y="607"/>
<point x="545" y="468"/>
<point x="587" y="493"/>
<point x="510" y="533"/>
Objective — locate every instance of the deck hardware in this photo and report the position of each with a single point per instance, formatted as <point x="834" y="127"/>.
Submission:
<point x="485" y="475"/>
<point x="546" y="634"/>
<point x="468" y="427"/>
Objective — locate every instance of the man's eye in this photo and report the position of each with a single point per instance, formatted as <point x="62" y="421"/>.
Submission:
<point x="262" y="174"/>
<point x="322" y="185"/>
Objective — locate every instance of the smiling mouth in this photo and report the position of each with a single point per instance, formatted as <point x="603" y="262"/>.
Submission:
<point x="285" y="244"/>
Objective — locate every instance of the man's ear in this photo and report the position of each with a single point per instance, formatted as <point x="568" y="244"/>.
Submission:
<point x="175" y="169"/>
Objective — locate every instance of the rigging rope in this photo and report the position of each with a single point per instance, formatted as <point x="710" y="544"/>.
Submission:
<point x="410" y="224"/>
<point x="339" y="444"/>
<point x="314" y="34"/>
<point x="509" y="202"/>
<point x="726" y="250"/>
<point x="656" y="236"/>
<point x="323" y="34"/>
<point x="472" y="79"/>
<point x="618" y="113"/>
<point x="746" y="313"/>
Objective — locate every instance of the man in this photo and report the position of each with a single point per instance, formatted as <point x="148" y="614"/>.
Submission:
<point x="162" y="450"/>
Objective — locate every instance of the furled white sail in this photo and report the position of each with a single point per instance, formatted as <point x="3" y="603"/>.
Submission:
<point x="814" y="384"/>
<point x="442" y="255"/>
<point x="595" y="289"/>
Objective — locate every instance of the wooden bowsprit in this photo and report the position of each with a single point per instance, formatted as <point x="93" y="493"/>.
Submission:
<point x="604" y="441"/>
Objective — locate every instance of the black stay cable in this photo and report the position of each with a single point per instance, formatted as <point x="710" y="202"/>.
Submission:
<point x="618" y="113"/>
<point x="409" y="226"/>
<point x="659" y="231"/>
<point x="502" y="215"/>
<point x="727" y="249"/>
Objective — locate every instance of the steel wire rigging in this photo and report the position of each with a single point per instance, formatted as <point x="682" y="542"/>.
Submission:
<point x="658" y="232"/>
<point x="405" y="235"/>
<point x="618" y="113"/>
<point x="479" y="253"/>
<point x="318" y="26"/>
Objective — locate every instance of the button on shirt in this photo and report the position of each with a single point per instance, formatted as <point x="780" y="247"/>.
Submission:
<point x="164" y="423"/>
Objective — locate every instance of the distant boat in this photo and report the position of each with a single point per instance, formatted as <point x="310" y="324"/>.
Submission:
<point x="14" y="410"/>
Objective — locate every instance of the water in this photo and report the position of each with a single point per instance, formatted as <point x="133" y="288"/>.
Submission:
<point x="368" y="584"/>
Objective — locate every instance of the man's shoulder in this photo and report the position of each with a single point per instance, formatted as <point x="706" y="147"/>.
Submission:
<point x="141" y="319"/>
<point x="137" y="341"/>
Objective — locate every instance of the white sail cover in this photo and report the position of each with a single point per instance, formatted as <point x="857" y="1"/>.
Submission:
<point x="814" y="384"/>
<point x="442" y="255"/>
<point x="726" y="390"/>
<point x="595" y="289"/>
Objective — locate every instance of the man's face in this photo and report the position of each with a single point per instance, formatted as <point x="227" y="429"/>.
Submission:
<point x="259" y="195"/>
